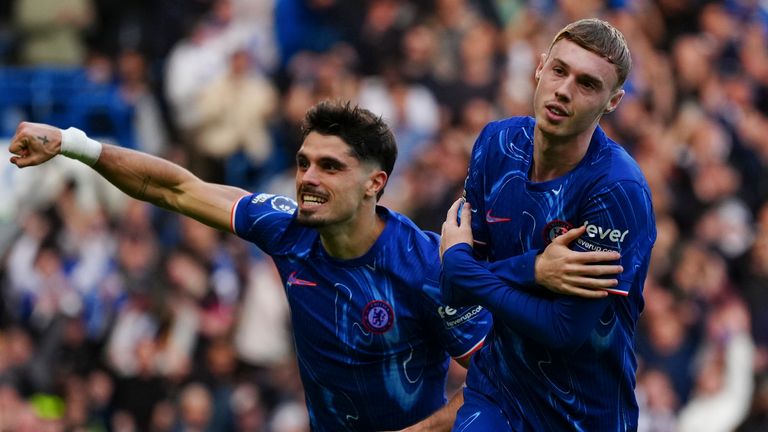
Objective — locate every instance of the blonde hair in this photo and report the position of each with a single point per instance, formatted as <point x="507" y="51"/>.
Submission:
<point x="601" y="38"/>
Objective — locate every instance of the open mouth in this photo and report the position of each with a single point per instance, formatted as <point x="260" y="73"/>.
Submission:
<point x="557" y="110"/>
<point x="312" y="200"/>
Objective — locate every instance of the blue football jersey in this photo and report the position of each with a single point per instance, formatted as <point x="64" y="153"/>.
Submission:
<point x="372" y="337"/>
<point x="553" y="362"/>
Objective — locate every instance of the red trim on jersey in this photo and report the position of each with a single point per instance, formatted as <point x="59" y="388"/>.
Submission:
<point x="232" y="215"/>
<point x="618" y="292"/>
<point x="471" y="351"/>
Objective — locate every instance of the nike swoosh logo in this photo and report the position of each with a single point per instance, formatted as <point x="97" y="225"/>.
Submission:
<point x="493" y="219"/>
<point x="557" y="191"/>
<point x="293" y="280"/>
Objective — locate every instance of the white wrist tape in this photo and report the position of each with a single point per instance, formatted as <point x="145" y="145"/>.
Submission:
<point x="75" y="144"/>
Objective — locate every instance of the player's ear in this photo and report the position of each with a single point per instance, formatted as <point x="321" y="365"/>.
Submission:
<point x="540" y="67"/>
<point x="613" y="102"/>
<point x="376" y="182"/>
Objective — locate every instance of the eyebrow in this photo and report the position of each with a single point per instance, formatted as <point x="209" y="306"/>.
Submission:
<point x="584" y="77"/>
<point x="324" y="160"/>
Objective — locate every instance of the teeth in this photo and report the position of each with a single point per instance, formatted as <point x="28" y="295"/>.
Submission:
<point x="312" y="200"/>
<point x="557" y="111"/>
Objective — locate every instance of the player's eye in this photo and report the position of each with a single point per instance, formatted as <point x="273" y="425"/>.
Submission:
<point x="302" y="162"/>
<point x="330" y="166"/>
<point x="589" y="85"/>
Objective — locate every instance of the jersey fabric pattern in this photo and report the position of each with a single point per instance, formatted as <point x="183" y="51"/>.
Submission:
<point x="552" y="362"/>
<point x="372" y="337"/>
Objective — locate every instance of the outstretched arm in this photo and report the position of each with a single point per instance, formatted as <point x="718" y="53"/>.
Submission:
<point x="140" y="175"/>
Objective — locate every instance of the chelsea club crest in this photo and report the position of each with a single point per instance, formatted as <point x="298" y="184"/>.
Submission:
<point x="554" y="229"/>
<point x="378" y="316"/>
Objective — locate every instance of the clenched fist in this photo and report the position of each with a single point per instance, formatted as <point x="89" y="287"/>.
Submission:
<point x="34" y="144"/>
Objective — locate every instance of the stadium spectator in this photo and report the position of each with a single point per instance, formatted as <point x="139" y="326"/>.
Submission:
<point x="724" y="380"/>
<point x="410" y="109"/>
<point x="233" y="138"/>
<point x="197" y="59"/>
<point x="658" y="402"/>
<point x="52" y="32"/>
<point x="150" y="133"/>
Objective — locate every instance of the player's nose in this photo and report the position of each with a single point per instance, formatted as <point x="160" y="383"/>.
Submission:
<point x="564" y="90"/>
<point x="310" y="175"/>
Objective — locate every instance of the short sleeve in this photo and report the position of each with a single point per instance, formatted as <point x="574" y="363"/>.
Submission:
<point x="263" y="219"/>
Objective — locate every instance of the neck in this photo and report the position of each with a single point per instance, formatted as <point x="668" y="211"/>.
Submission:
<point x="554" y="156"/>
<point x="352" y="239"/>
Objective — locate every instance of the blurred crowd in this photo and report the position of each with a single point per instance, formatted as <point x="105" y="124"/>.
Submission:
<point x="118" y="316"/>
